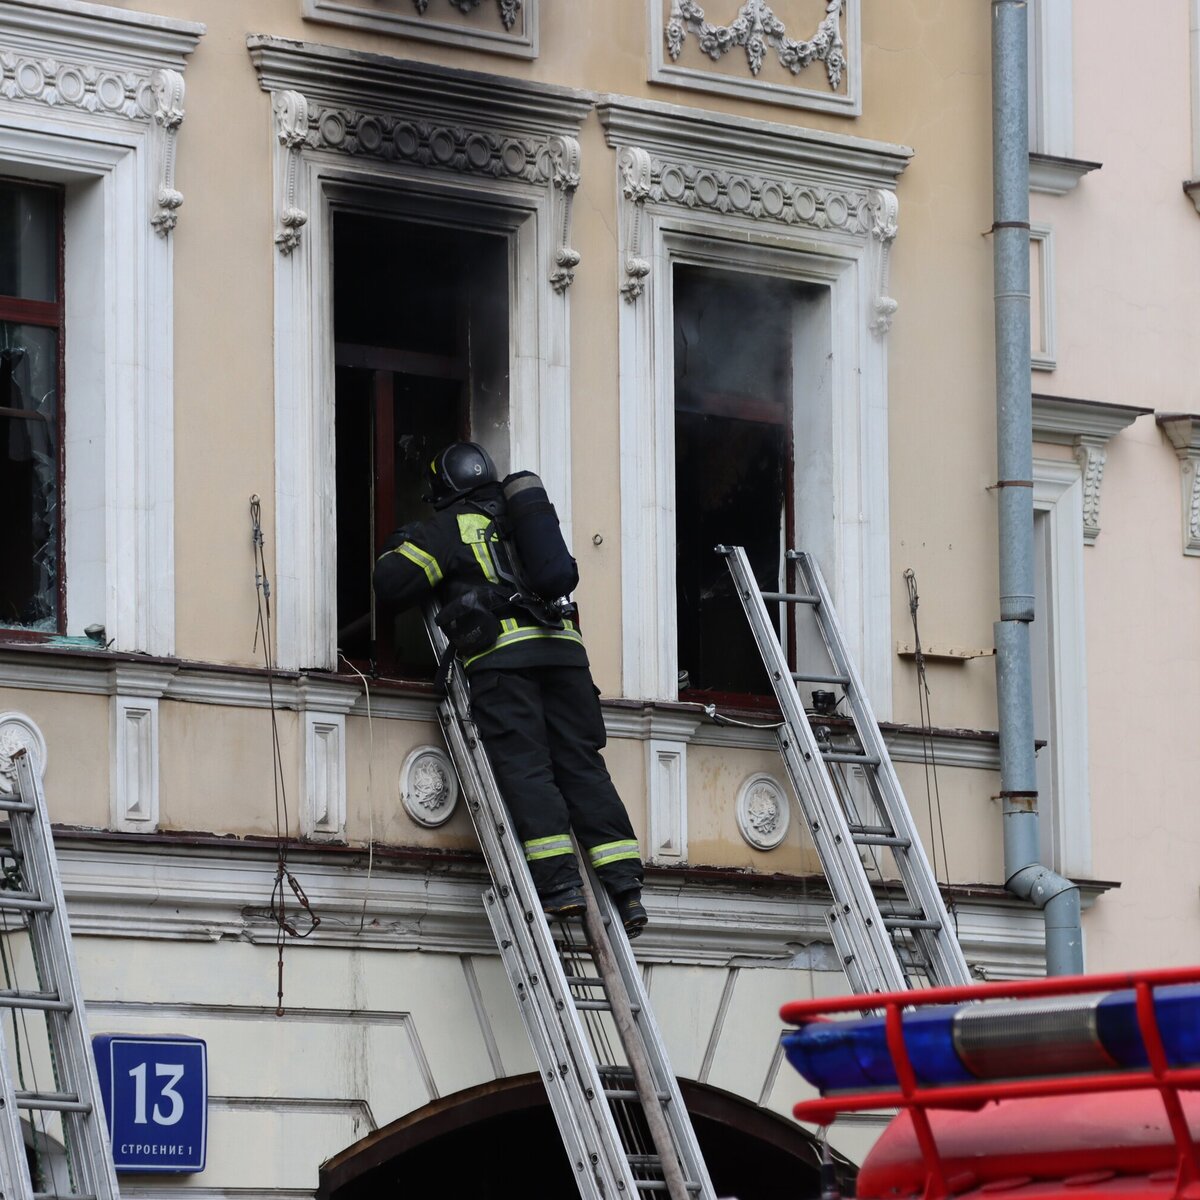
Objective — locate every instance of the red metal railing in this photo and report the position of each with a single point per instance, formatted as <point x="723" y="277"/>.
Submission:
<point x="917" y="1099"/>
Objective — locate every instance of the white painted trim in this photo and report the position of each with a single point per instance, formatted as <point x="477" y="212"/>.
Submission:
<point x="1051" y="78"/>
<point x="1045" y="358"/>
<point x="133" y="787"/>
<point x="666" y="801"/>
<point x="1067" y="822"/>
<point x="750" y="87"/>
<point x="519" y="204"/>
<point x="323" y="787"/>
<point x="521" y="42"/>
<point x="104" y="147"/>
<point x="206" y="894"/>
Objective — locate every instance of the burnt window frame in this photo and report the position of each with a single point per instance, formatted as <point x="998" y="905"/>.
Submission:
<point x="46" y="314"/>
<point x="385" y="367"/>
<point x="783" y="618"/>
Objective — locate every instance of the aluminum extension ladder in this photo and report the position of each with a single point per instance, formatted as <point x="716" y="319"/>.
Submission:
<point x="623" y="1123"/>
<point x="883" y="945"/>
<point x="68" y="1137"/>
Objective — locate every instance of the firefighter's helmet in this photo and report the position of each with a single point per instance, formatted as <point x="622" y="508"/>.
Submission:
<point x="459" y="468"/>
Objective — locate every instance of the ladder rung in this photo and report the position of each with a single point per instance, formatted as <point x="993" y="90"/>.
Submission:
<point x="844" y="756"/>
<point x="804" y="677"/>
<point x="871" y="830"/>
<point x="24" y="902"/>
<point x="584" y="981"/>
<point x="47" y="1001"/>
<point x="910" y="923"/>
<point x="603" y="1006"/>
<point x="17" y="806"/>
<point x="643" y="1160"/>
<point x="53" y="1102"/>
<point x="630" y="1094"/>
<point x="64" y="1196"/>
<point x="660" y="1185"/>
<point x="881" y="839"/>
<point x="791" y="598"/>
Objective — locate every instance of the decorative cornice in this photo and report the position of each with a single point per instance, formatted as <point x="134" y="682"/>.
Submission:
<point x="336" y="78"/>
<point x="1183" y="432"/>
<point x="1191" y="189"/>
<point x="1086" y="426"/>
<point x="208" y="893"/>
<point x="753" y="148"/>
<point x="1057" y="176"/>
<point x="328" y="100"/>
<point x="101" y="38"/>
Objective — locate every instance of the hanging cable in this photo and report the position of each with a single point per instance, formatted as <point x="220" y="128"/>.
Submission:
<point x="285" y="927"/>
<point x="928" y="753"/>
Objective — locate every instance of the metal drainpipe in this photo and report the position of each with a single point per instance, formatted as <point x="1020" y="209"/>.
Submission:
<point x="1025" y="876"/>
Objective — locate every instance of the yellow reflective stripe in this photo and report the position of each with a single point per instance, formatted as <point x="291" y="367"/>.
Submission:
<point x="551" y="847"/>
<point x="612" y="852"/>
<point x="524" y="634"/>
<point x="509" y="625"/>
<point x="422" y="559"/>
<point x="472" y="529"/>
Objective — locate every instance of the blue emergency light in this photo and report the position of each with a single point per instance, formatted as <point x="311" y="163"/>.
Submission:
<point x="1008" y="1039"/>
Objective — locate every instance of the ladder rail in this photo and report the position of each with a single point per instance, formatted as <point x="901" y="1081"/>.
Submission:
<point x="920" y="883"/>
<point x="879" y="949"/>
<point x="84" y="1130"/>
<point x="866" y="952"/>
<point x="568" y="1065"/>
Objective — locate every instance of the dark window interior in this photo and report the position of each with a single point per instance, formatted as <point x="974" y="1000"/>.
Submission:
<point x="31" y="343"/>
<point x="421" y="328"/>
<point x="734" y="338"/>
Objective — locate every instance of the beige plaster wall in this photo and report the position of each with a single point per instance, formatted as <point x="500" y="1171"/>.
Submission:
<point x="76" y="729"/>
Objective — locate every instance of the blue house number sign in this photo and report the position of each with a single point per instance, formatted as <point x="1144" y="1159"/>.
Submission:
<point x="155" y="1093"/>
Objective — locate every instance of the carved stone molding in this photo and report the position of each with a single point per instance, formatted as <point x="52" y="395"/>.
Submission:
<point x="428" y="786"/>
<point x="19" y="732"/>
<point x="564" y="160"/>
<point x="886" y="210"/>
<point x="774" y="59"/>
<point x="762" y="810"/>
<point x="1183" y="432"/>
<point x="754" y="28"/>
<point x="168" y="116"/>
<point x="364" y="106"/>
<point x="1086" y="426"/>
<point x="291" y="132"/>
<point x="635" y="167"/>
<point x="499" y="26"/>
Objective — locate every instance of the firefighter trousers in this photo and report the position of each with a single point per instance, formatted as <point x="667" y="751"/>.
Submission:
<point x="543" y="730"/>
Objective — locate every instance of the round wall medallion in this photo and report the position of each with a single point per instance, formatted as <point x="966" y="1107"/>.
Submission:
<point x="762" y="812"/>
<point x="428" y="786"/>
<point x="18" y="732"/>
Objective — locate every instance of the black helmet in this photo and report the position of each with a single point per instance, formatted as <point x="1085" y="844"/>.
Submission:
<point x="460" y="468"/>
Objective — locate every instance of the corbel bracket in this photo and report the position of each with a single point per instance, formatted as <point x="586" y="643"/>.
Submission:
<point x="1183" y="432"/>
<point x="168" y="116"/>
<point x="635" y="168"/>
<point x="565" y="162"/>
<point x="291" y="131"/>
<point x="885" y="210"/>
<point x="1091" y="453"/>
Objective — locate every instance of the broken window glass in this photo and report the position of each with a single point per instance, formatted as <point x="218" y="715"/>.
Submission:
<point x="30" y="414"/>
<point x="734" y="335"/>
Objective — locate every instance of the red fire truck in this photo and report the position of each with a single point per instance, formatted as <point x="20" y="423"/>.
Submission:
<point x="1055" y="1089"/>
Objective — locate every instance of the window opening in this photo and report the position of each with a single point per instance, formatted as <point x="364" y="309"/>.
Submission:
<point x="421" y="330"/>
<point x="735" y="346"/>
<point x="32" y="599"/>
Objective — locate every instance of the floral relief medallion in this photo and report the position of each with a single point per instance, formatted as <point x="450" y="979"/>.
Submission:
<point x="428" y="786"/>
<point x="762" y="812"/>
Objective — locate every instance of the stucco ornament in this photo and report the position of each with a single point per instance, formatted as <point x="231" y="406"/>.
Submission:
<point x="17" y="733"/>
<point x="755" y="27"/>
<point x="428" y="786"/>
<point x="508" y="8"/>
<point x="762" y="812"/>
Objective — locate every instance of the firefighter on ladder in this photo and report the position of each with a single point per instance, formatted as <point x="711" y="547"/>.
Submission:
<point x="532" y="696"/>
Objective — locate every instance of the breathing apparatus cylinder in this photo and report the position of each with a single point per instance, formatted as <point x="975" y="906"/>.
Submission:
<point x="546" y="564"/>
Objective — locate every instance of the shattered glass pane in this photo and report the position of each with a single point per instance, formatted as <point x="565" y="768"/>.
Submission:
<point x="28" y="241"/>
<point x="29" y="531"/>
<point x="733" y="443"/>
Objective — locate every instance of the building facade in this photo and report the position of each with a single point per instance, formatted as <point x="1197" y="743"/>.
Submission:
<point x="715" y="283"/>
